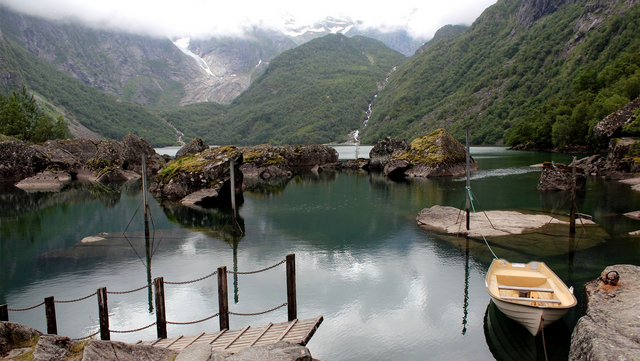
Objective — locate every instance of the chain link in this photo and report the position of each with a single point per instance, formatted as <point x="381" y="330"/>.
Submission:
<point x="131" y="291"/>
<point x="77" y="299"/>
<point x="85" y="337"/>
<point x="258" y="313"/>
<point x="192" y="281"/>
<point x="25" y="309"/>
<point x="258" y="271"/>
<point x="192" y="322"/>
<point x="136" y="330"/>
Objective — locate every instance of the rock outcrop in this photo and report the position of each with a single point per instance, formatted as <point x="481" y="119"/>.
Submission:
<point x="14" y="335"/>
<point x="196" y="145"/>
<point x="96" y="350"/>
<point x="612" y="125"/>
<point x="268" y="161"/>
<point x="281" y="351"/>
<point x="18" y="161"/>
<point x="559" y="177"/>
<point x="381" y="152"/>
<point x="435" y="155"/>
<point x="207" y="173"/>
<point x="45" y="181"/>
<point x="609" y="329"/>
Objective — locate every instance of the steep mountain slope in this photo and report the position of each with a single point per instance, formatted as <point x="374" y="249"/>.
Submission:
<point x="515" y="58"/>
<point x="99" y="112"/>
<point x="315" y="93"/>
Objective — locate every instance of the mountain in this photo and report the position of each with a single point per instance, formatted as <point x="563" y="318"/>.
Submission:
<point x="315" y="93"/>
<point x="523" y="67"/>
<point x="88" y="110"/>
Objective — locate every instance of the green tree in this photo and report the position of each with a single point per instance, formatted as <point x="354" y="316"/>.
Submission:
<point x="22" y="118"/>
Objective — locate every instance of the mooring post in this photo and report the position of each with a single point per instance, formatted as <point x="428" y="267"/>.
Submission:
<point x="468" y="204"/>
<point x="50" y="311"/>
<point x="103" y="314"/>
<point x="223" y="298"/>
<point x="4" y="313"/>
<point x="292" y="304"/>
<point x="161" y="314"/>
<point x="572" y="213"/>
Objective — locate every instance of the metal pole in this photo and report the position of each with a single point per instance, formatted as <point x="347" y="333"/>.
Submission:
<point x="468" y="189"/>
<point x="572" y="214"/>
<point x="233" y="194"/>
<point x="144" y="196"/>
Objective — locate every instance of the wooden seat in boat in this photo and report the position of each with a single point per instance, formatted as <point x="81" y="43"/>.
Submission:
<point x="543" y="300"/>
<point x="530" y="289"/>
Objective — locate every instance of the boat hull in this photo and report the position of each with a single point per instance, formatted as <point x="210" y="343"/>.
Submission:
<point x="530" y="294"/>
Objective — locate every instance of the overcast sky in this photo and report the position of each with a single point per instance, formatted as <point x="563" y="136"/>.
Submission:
<point x="213" y="17"/>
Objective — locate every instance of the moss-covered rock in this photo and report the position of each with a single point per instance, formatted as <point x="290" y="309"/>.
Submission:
<point x="209" y="169"/>
<point x="268" y="161"/>
<point x="435" y="155"/>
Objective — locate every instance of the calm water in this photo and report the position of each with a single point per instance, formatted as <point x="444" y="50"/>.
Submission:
<point x="386" y="288"/>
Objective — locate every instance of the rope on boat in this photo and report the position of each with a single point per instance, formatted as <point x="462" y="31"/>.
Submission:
<point x="478" y="222"/>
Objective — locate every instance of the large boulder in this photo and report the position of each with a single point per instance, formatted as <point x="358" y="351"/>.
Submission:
<point x="609" y="329"/>
<point x="131" y="157"/>
<point x="208" y="170"/>
<point x="267" y="161"/>
<point x="80" y="148"/>
<point x="196" y="145"/>
<point x="45" y="181"/>
<point x="281" y="351"/>
<point x="559" y="177"/>
<point x="435" y="155"/>
<point x="108" y="154"/>
<point x="18" y="161"/>
<point x="612" y="125"/>
<point x="380" y="154"/>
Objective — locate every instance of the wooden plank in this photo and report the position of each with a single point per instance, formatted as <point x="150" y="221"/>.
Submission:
<point x="261" y="334"/>
<point x="532" y="289"/>
<point x="542" y="300"/>
<point x="235" y="338"/>
<point x="288" y="328"/>
<point x="195" y="339"/>
<point x="174" y="341"/>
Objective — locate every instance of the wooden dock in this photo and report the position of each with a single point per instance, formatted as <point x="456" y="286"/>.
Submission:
<point x="296" y="331"/>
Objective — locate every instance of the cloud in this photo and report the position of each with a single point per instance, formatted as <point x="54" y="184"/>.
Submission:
<point x="215" y="17"/>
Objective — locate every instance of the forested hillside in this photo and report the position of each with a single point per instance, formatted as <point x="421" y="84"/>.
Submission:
<point x="102" y="113"/>
<point x="541" y="72"/>
<point x="315" y="93"/>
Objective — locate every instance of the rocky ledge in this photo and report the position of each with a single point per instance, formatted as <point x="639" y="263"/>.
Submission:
<point x="267" y="161"/>
<point x="609" y="329"/>
<point x="559" y="177"/>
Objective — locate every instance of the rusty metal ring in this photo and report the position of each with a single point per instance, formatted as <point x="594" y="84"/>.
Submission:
<point x="611" y="280"/>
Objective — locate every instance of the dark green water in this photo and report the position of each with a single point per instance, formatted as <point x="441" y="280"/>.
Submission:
<point x="386" y="288"/>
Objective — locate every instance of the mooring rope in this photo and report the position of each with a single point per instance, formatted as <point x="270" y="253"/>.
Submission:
<point x="478" y="222"/>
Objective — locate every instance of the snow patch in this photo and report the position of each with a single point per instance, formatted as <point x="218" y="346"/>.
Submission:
<point x="183" y="45"/>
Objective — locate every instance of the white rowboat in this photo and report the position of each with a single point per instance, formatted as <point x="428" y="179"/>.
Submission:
<point x="530" y="294"/>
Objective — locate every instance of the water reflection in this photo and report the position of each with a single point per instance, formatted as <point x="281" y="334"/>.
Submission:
<point x="215" y="222"/>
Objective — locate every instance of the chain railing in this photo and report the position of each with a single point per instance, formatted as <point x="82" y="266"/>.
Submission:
<point x="161" y="321"/>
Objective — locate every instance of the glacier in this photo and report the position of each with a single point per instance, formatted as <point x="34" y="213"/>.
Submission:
<point x="183" y="45"/>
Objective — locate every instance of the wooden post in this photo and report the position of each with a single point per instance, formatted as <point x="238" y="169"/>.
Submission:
<point x="4" y="313"/>
<point x="223" y="298"/>
<point x="572" y="214"/>
<point x="232" y="175"/>
<point x="161" y="315"/>
<point x="50" y="310"/>
<point x="292" y="305"/>
<point x="103" y="314"/>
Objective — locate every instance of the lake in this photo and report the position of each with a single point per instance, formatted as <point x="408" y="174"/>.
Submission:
<point x="387" y="289"/>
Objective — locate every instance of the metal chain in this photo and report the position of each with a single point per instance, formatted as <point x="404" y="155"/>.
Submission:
<point x="257" y="313"/>
<point x="136" y="330"/>
<point x="544" y="343"/>
<point x="125" y="292"/>
<point x="77" y="299"/>
<point x="192" y="322"/>
<point x="196" y="280"/>
<point x="258" y="271"/>
<point x="25" y="309"/>
<point x="85" y="337"/>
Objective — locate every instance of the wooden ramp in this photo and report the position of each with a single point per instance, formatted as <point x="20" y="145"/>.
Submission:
<point x="296" y="331"/>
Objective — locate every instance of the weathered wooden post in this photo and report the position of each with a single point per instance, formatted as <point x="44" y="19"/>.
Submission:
<point x="4" y="313"/>
<point x="223" y="298"/>
<point x="161" y="315"/>
<point x="50" y="311"/>
<point x="292" y="304"/>
<point x="103" y="314"/>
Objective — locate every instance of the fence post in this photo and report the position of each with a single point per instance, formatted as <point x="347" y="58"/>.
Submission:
<point x="161" y="315"/>
<point x="103" y="314"/>
<point x="292" y="304"/>
<point x="50" y="311"/>
<point x="223" y="298"/>
<point x="4" y="313"/>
